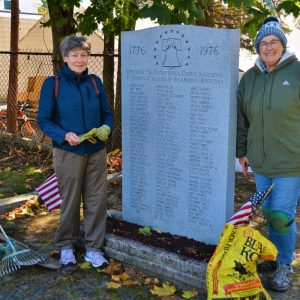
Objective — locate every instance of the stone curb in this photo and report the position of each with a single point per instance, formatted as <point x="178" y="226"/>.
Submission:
<point x="182" y="271"/>
<point x="10" y="203"/>
<point x="178" y="269"/>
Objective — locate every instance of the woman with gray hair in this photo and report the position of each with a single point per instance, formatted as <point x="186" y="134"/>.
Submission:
<point x="71" y="105"/>
<point x="268" y="139"/>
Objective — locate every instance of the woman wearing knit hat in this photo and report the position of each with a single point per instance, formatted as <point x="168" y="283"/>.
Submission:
<point x="268" y="139"/>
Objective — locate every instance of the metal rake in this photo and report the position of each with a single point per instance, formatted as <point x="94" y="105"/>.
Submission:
<point x="16" y="256"/>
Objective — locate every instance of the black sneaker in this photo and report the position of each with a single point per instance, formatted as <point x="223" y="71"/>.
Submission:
<point x="267" y="266"/>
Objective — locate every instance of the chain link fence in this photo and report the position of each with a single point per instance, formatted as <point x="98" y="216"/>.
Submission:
<point x="34" y="67"/>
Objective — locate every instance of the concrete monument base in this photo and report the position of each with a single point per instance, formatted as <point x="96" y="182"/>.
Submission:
<point x="182" y="271"/>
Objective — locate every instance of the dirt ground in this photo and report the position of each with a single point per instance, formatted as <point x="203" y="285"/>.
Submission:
<point x="35" y="226"/>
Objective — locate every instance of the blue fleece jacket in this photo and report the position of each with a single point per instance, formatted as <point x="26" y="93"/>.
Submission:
<point x="78" y="108"/>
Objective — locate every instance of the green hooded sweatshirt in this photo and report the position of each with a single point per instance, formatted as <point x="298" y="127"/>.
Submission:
<point x="268" y="130"/>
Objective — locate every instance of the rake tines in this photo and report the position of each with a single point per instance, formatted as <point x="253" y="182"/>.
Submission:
<point x="26" y="256"/>
<point x="8" y="264"/>
<point x="17" y="256"/>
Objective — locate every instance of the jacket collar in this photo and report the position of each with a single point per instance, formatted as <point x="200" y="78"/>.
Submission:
<point x="285" y="59"/>
<point x="71" y="74"/>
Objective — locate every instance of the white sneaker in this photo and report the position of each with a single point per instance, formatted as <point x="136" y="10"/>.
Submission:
<point x="67" y="257"/>
<point x="96" y="258"/>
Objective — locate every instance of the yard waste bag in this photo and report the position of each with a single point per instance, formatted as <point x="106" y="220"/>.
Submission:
<point x="231" y="271"/>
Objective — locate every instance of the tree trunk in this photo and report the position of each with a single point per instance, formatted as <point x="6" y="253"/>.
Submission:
<point x="59" y="28"/>
<point x="109" y="67"/>
<point x="117" y="136"/>
<point x="12" y="95"/>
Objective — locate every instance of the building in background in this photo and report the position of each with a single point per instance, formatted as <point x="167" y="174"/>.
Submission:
<point x="28" y="17"/>
<point x="32" y="38"/>
<point x="39" y="38"/>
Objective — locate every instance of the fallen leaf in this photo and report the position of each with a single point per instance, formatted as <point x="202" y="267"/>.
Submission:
<point x="165" y="290"/>
<point x="130" y="282"/>
<point x="149" y="280"/>
<point x="113" y="267"/>
<point x="115" y="277"/>
<point x="115" y="152"/>
<point x="26" y="211"/>
<point x="11" y="215"/>
<point x="85" y="265"/>
<point x="113" y="285"/>
<point x="124" y="276"/>
<point x="44" y="213"/>
<point x="189" y="294"/>
<point x="131" y="272"/>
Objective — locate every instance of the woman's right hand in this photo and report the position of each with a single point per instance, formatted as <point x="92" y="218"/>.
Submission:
<point x="245" y="164"/>
<point x="72" y="138"/>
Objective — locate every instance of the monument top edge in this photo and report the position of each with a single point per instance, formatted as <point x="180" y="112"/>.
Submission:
<point x="182" y="27"/>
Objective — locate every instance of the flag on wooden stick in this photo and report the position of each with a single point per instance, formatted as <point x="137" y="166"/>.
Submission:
<point x="49" y="193"/>
<point x="244" y="214"/>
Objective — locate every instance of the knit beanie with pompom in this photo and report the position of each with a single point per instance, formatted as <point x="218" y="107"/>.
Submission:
<point x="270" y="26"/>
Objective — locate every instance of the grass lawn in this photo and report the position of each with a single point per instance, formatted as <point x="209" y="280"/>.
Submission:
<point x="23" y="166"/>
<point x="19" y="180"/>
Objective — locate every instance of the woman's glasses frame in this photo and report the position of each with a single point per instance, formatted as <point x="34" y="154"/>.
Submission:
<point x="273" y="43"/>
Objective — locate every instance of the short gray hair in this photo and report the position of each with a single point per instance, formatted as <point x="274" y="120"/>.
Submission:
<point x="70" y="43"/>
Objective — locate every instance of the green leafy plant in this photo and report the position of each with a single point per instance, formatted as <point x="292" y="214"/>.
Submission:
<point x="145" y="230"/>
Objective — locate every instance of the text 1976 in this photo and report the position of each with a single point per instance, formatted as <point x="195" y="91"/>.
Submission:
<point x="209" y="50"/>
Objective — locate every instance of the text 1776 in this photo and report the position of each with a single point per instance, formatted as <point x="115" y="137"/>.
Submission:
<point x="136" y="50"/>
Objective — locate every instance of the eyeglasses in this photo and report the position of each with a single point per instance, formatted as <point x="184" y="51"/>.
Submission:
<point x="272" y="44"/>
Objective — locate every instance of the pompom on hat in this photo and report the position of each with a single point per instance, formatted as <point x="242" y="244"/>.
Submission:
<point x="270" y="26"/>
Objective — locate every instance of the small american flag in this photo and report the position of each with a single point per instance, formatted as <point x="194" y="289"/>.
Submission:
<point x="48" y="191"/>
<point x="244" y="214"/>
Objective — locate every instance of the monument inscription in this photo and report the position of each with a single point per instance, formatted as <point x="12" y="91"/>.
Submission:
<point x="179" y="117"/>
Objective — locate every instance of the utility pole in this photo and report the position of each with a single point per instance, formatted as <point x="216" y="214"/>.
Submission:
<point x="12" y="95"/>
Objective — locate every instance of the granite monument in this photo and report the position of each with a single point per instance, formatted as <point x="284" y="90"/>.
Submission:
<point x="179" y="87"/>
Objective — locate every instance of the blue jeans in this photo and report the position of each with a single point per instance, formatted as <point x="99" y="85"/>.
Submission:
<point x="282" y="201"/>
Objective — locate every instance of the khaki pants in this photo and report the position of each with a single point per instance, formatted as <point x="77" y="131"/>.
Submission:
<point x="81" y="178"/>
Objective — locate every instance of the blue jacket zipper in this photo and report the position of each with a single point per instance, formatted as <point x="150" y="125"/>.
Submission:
<point x="83" y="110"/>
